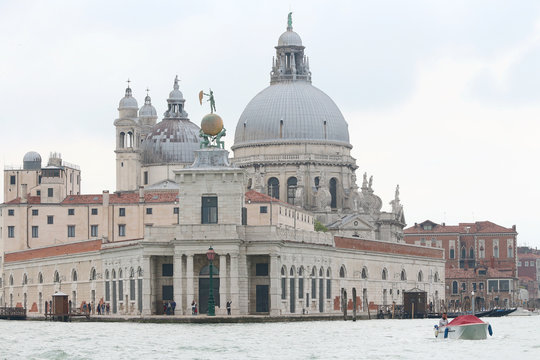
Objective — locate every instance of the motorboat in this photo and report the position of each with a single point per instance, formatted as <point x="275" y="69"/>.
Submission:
<point x="465" y="327"/>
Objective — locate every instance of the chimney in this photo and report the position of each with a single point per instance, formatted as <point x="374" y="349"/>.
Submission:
<point x="514" y="227"/>
<point x="106" y="198"/>
<point x="415" y="224"/>
<point x="443" y="224"/>
<point x="141" y="194"/>
<point x="24" y="193"/>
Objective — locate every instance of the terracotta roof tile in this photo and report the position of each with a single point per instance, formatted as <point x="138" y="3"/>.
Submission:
<point x="257" y="197"/>
<point x="479" y="227"/>
<point x="123" y="198"/>
<point x="454" y="273"/>
<point x="31" y="200"/>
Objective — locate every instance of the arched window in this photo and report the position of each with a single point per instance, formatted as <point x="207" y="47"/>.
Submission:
<point x="129" y="139"/>
<point x="10" y="280"/>
<point x="40" y="278"/>
<point x="113" y="274"/>
<point x="321" y="272"/>
<point x="120" y="274"/>
<point x="510" y="253"/>
<point x="328" y="284"/>
<point x="313" y="283"/>
<point x="291" y="189"/>
<point x="316" y="181"/>
<point x="420" y="276"/>
<point x="463" y="252"/>
<point x="122" y="140"/>
<point x="273" y="187"/>
<point x="454" y="287"/>
<point x="471" y="253"/>
<point x="283" y="283"/>
<point x="74" y="275"/>
<point x="333" y="193"/>
<point x="56" y="277"/>
<point x="139" y="272"/>
<point x="301" y="282"/>
<point x="132" y="284"/>
<point x="107" y="274"/>
<point x="384" y="274"/>
<point x="436" y="277"/>
<point x="364" y="273"/>
<point x="403" y="275"/>
<point x="342" y="271"/>
<point x="452" y="255"/>
<point x="93" y="274"/>
<point x="496" y="251"/>
<point x="25" y="279"/>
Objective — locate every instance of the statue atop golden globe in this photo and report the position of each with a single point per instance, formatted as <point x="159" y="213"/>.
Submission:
<point x="212" y="129"/>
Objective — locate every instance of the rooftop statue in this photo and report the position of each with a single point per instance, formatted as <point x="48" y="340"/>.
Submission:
<point x="212" y="129"/>
<point x="289" y="20"/>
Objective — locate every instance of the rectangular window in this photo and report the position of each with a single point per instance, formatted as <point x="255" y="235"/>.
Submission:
<point x="519" y="263"/>
<point x="122" y="212"/>
<point x="11" y="231"/>
<point x="35" y="212"/>
<point x="50" y="219"/>
<point x="94" y="212"/>
<point x="474" y="286"/>
<point x="301" y="288"/>
<point x="121" y="230"/>
<point x="107" y="291"/>
<point x="167" y="270"/>
<point x="35" y="231"/>
<point x="167" y="291"/>
<point x="50" y="192"/>
<point x="176" y="210"/>
<point x="493" y="285"/>
<point x="93" y="230"/>
<point x="38" y="192"/>
<point x="263" y="209"/>
<point x="71" y="211"/>
<point x="283" y="288"/>
<point x="146" y="178"/>
<point x="71" y="230"/>
<point x="148" y="211"/>
<point x="209" y="210"/>
<point x="261" y="269"/>
<point x="504" y="285"/>
<point x="526" y="263"/>
<point x="11" y="212"/>
<point x="12" y="180"/>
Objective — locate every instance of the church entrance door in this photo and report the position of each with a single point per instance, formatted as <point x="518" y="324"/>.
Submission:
<point x="204" y="287"/>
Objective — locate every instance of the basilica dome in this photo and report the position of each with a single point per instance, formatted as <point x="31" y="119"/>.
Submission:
<point x="291" y="111"/>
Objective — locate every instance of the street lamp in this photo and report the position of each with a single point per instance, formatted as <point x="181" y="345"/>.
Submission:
<point x="211" y="254"/>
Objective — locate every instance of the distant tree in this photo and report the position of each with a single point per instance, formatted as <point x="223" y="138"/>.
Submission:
<point x="320" y="227"/>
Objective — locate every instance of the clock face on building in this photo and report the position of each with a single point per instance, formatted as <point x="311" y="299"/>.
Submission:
<point x="356" y="223"/>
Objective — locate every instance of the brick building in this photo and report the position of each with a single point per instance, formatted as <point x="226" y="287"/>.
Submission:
<point x="480" y="257"/>
<point x="528" y="266"/>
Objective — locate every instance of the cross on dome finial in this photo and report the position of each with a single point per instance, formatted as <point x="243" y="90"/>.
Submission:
<point x="128" y="81"/>
<point x="147" y="91"/>
<point x="289" y="21"/>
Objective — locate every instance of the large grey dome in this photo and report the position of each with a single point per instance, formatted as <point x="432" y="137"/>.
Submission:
<point x="291" y="111"/>
<point x="171" y="141"/>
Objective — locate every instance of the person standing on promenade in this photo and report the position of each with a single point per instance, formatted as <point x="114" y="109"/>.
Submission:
<point x="229" y="307"/>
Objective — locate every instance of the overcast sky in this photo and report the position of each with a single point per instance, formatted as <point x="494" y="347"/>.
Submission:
<point x="441" y="97"/>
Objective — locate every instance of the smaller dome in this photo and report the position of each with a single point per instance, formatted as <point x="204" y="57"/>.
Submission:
<point x="176" y="95"/>
<point x="31" y="161"/>
<point x="147" y="109"/>
<point x="128" y="101"/>
<point x="289" y="38"/>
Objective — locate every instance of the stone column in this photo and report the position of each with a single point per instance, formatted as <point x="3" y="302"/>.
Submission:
<point x="235" y="287"/>
<point x="177" y="283"/>
<point x="275" y="276"/>
<point x="147" y="286"/>
<point x="190" y="292"/>
<point x="223" y="295"/>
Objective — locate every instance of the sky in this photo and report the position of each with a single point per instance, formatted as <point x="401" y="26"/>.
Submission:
<point x="441" y="97"/>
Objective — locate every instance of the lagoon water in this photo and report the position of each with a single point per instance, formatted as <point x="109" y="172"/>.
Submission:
<point x="514" y="337"/>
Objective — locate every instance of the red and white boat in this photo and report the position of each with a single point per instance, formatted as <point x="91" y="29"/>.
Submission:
<point x="466" y="327"/>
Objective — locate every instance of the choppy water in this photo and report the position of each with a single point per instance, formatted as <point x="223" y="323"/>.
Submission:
<point x="515" y="337"/>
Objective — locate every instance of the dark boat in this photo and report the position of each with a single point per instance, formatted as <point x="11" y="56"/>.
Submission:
<point x="501" y="312"/>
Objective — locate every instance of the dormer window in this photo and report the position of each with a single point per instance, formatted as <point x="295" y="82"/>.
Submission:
<point x="428" y="227"/>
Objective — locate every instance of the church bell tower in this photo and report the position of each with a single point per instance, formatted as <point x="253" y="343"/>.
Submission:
<point x="128" y="156"/>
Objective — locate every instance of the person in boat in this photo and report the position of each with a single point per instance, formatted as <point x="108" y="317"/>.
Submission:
<point x="444" y="320"/>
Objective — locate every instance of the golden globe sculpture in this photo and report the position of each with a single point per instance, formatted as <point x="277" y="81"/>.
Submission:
<point x="212" y="124"/>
